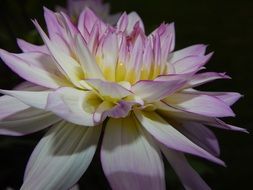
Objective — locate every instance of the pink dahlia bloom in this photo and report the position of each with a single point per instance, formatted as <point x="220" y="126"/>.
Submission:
<point x="75" y="7"/>
<point x="135" y="88"/>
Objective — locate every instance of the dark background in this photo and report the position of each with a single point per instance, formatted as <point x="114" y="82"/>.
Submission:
<point x="227" y="26"/>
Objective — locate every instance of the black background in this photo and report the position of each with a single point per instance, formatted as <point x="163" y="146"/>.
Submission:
<point x="226" y="26"/>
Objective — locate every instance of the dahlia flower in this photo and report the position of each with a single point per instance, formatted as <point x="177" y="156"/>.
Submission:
<point x="92" y="80"/>
<point x="75" y="7"/>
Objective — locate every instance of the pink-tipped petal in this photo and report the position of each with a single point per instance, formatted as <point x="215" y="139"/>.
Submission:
<point x="130" y="159"/>
<point x="200" y="104"/>
<point x="32" y="70"/>
<point x="93" y="41"/>
<point x="59" y="25"/>
<point x="66" y="64"/>
<point x="228" y="97"/>
<point x="203" y="78"/>
<point x="61" y="157"/>
<point x="122" y="22"/>
<point x="172" y="138"/>
<point x="134" y="18"/>
<point x="184" y="116"/>
<point x="195" y="50"/>
<point x="87" y="20"/>
<point x="28" y="47"/>
<point x="135" y="61"/>
<point x="191" y="63"/>
<point x="53" y="25"/>
<point x="188" y="176"/>
<point x="166" y="33"/>
<point x="75" y="106"/>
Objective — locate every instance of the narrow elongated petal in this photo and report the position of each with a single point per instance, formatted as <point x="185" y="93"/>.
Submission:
<point x="87" y="20"/>
<point x="195" y="50"/>
<point x="228" y="97"/>
<point x="130" y="159"/>
<point x="28" y="47"/>
<point x="9" y="106"/>
<point x="59" y="27"/>
<point x="200" y="135"/>
<point x="44" y="62"/>
<point x="109" y="89"/>
<point x="87" y="61"/>
<point x="73" y="105"/>
<point x="66" y="64"/>
<point x="188" y="176"/>
<point x="26" y="122"/>
<point x="156" y="90"/>
<point x="169" y="136"/>
<point x="61" y="157"/>
<point x="93" y="41"/>
<point x="200" y="104"/>
<point x="135" y="62"/>
<point x="31" y="72"/>
<point x="16" y="118"/>
<point x="81" y="26"/>
<point x="166" y="33"/>
<point x="122" y="22"/>
<point x="37" y="99"/>
<point x="133" y="19"/>
<point x="191" y="63"/>
<point x="53" y="26"/>
<point x="203" y="78"/>
<point x="179" y="114"/>
<point x="109" y="55"/>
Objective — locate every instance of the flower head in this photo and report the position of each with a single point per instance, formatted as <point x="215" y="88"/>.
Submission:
<point x="91" y="76"/>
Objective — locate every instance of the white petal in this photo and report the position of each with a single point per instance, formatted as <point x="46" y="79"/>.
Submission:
<point x="75" y="106"/>
<point x="129" y="157"/>
<point x="18" y="119"/>
<point x="26" y="122"/>
<point x="37" y="99"/>
<point x="10" y="106"/>
<point x="61" y="157"/>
